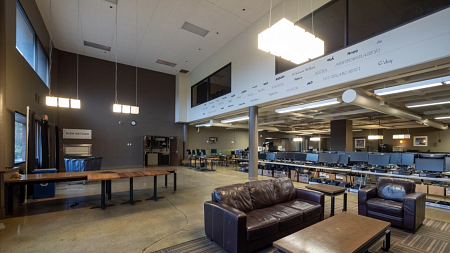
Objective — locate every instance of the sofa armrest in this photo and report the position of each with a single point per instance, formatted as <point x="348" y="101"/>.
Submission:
<point x="365" y="194"/>
<point x="314" y="196"/>
<point x="225" y="225"/>
<point x="414" y="210"/>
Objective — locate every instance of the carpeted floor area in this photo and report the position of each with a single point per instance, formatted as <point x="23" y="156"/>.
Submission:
<point x="432" y="237"/>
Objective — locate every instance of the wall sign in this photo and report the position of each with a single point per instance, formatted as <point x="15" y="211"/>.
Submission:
<point x="77" y="133"/>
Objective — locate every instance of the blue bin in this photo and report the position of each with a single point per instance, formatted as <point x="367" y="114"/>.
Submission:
<point x="44" y="190"/>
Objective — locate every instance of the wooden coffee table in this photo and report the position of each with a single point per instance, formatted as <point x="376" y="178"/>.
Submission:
<point x="343" y="233"/>
<point x="332" y="191"/>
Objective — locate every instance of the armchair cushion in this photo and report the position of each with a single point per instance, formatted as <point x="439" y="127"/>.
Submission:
<point x="395" y="188"/>
<point x="260" y="224"/>
<point x="385" y="206"/>
<point x="262" y="193"/>
<point x="236" y="196"/>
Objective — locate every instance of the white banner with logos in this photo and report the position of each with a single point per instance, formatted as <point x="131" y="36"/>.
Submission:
<point x="77" y="134"/>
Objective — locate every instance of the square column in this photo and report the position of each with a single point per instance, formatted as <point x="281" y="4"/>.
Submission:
<point x="341" y="135"/>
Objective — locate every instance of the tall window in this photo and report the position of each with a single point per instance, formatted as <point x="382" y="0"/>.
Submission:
<point x="214" y="86"/>
<point x="29" y="46"/>
<point x="20" y="138"/>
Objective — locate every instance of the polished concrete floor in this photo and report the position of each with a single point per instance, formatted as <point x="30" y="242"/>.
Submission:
<point x="52" y="225"/>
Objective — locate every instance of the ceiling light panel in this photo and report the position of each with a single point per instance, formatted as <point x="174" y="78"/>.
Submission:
<point x="235" y="119"/>
<point x="194" y="29"/>
<point x="429" y="103"/>
<point x="97" y="46"/>
<point x="409" y="87"/>
<point x="171" y="64"/>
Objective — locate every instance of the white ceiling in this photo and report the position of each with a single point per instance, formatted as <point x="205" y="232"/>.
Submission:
<point x="159" y="34"/>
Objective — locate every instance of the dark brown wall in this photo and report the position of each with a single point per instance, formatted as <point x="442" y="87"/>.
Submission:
<point x="156" y="101"/>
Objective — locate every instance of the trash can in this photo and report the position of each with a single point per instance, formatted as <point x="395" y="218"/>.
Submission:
<point x="44" y="190"/>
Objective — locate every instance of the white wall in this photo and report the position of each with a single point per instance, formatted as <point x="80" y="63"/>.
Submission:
<point x="253" y="71"/>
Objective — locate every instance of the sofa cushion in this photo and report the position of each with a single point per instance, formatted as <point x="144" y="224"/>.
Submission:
<point x="395" y="188"/>
<point x="284" y="189"/>
<point x="309" y="208"/>
<point x="385" y="206"/>
<point x="236" y="196"/>
<point x="287" y="216"/>
<point x="262" y="193"/>
<point x="260" y="224"/>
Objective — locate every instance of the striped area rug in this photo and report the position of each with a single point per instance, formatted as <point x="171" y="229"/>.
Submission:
<point x="432" y="237"/>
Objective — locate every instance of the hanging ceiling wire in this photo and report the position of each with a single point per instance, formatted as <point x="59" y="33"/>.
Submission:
<point x="116" y="102"/>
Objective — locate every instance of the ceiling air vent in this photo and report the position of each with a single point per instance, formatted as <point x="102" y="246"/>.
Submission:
<point x="98" y="46"/>
<point x="184" y="71"/>
<point x="166" y="63"/>
<point x="194" y="29"/>
<point x="112" y="1"/>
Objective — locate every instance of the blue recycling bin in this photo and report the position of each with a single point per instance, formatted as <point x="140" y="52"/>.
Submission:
<point x="44" y="190"/>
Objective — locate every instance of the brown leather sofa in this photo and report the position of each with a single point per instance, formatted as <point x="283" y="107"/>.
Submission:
<point x="395" y="201"/>
<point x="246" y="217"/>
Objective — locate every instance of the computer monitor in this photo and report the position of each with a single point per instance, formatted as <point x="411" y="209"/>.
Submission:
<point x="430" y="164"/>
<point x="281" y="155"/>
<point x="324" y="157"/>
<point x="408" y="159"/>
<point x="343" y="158"/>
<point x="213" y="151"/>
<point x="380" y="159"/>
<point x="188" y="151"/>
<point x="312" y="157"/>
<point x="396" y="158"/>
<point x="334" y="158"/>
<point x="203" y="152"/>
<point x="359" y="156"/>
<point x="433" y="155"/>
<point x="193" y="152"/>
<point x="290" y="156"/>
<point x="232" y="152"/>
<point x="447" y="163"/>
<point x="270" y="156"/>
<point x="300" y="157"/>
<point x="238" y="151"/>
<point x="198" y="151"/>
<point x="261" y="156"/>
<point x="220" y="153"/>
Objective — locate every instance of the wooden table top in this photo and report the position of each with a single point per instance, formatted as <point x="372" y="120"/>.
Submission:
<point x="94" y="175"/>
<point x="343" y="233"/>
<point x="326" y="188"/>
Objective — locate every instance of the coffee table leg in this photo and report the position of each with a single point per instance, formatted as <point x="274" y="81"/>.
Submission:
<point x="165" y="182"/>
<point x="108" y="189"/>
<point x="332" y="206"/>
<point x="102" y="198"/>
<point x="387" y="243"/>
<point x="345" y="202"/>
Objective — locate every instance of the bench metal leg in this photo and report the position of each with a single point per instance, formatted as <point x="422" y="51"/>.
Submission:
<point x="131" y="201"/>
<point x="174" y="181"/>
<point x="165" y="180"/>
<point x="103" y="197"/>
<point x="155" y="186"/>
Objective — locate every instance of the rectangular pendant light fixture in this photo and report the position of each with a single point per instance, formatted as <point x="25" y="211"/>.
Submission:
<point x="204" y="125"/>
<point x="75" y="104"/>
<point x="429" y="103"/>
<point x="401" y="136"/>
<point x="134" y="109"/>
<point x="126" y="109"/>
<point x="375" y="137"/>
<point x="51" y="101"/>
<point x="297" y="139"/>
<point x="309" y="106"/>
<point x="409" y="87"/>
<point x="315" y="139"/>
<point x="63" y="102"/>
<point x="117" y="108"/>
<point x="235" y="119"/>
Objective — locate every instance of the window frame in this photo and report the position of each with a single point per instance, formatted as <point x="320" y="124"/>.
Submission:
<point x="16" y="162"/>
<point x="36" y="44"/>
<point x="208" y="87"/>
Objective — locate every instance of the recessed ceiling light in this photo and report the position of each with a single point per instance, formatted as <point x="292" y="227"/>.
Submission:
<point x="194" y="29"/>
<point x="171" y="64"/>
